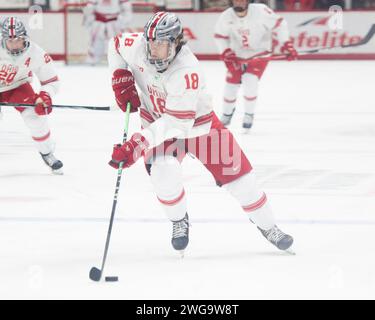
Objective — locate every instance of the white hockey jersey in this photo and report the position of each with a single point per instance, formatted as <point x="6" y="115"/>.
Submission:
<point x="175" y="103"/>
<point x="109" y="10"/>
<point x="17" y="70"/>
<point x="251" y="35"/>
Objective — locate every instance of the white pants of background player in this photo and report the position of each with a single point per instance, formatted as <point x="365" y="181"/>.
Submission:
<point x="100" y="33"/>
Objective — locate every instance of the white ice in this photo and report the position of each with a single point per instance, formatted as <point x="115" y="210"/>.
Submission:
<point x="312" y="146"/>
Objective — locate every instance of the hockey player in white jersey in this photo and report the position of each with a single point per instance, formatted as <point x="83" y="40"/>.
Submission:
<point x="242" y="32"/>
<point x="21" y="60"/>
<point x="177" y="118"/>
<point x="104" y="19"/>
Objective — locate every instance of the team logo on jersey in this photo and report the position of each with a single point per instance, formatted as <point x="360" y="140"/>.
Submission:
<point x="156" y="92"/>
<point x="7" y="74"/>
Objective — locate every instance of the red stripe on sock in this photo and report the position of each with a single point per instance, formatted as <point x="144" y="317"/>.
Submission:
<point x="43" y="138"/>
<point x="256" y="205"/>
<point x="174" y="201"/>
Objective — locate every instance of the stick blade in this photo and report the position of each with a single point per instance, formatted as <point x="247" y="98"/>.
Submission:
<point x="95" y="274"/>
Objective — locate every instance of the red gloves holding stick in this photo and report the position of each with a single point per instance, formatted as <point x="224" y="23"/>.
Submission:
<point x="43" y="103"/>
<point x="129" y="152"/>
<point x="231" y="61"/>
<point x="125" y="91"/>
<point x="288" y="49"/>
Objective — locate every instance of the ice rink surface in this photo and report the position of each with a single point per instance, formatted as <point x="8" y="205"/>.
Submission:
<point x="313" y="149"/>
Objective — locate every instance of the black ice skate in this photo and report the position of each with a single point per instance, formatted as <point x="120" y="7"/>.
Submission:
<point x="180" y="234"/>
<point x="226" y="118"/>
<point x="278" y="238"/>
<point x="248" y="121"/>
<point x="55" y="165"/>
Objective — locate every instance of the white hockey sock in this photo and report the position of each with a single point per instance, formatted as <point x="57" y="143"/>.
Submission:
<point x="39" y="129"/>
<point x="250" y="92"/>
<point x="252" y="200"/>
<point x="166" y="176"/>
<point x="230" y="97"/>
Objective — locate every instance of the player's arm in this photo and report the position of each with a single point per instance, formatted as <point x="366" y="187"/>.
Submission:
<point x="123" y="84"/>
<point x="222" y="41"/>
<point x="49" y="82"/>
<point x="177" y="120"/>
<point x="126" y="14"/>
<point x="279" y="27"/>
<point x="88" y="13"/>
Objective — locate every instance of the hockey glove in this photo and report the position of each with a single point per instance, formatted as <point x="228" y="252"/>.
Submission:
<point x="129" y="152"/>
<point x="231" y="61"/>
<point x="43" y="103"/>
<point x="125" y="91"/>
<point x="289" y="51"/>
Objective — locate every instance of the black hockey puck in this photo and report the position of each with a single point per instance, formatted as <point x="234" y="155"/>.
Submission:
<point x="111" y="279"/>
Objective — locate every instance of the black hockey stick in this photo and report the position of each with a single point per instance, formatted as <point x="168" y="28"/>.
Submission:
<point x="363" y="41"/>
<point x="272" y="57"/>
<point x="55" y="106"/>
<point x="95" y="273"/>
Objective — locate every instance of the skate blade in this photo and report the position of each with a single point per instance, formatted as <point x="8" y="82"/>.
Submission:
<point x="290" y="252"/>
<point x="181" y="253"/>
<point x="246" y="131"/>
<point x="58" y="172"/>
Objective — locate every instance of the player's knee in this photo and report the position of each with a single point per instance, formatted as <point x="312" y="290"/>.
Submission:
<point x="250" y="82"/>
<point x="166" y="175"/>
<point x="34" y="122"/>
<point x="231" y="90"/>
<point x="244" y="189"/>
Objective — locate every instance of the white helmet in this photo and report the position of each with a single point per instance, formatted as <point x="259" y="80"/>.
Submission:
<point x="13" y="28"/>
<point x="164" y="26"/>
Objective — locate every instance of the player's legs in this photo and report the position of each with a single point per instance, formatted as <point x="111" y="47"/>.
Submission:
<point x="39" y="129"/>
<point x="37" y="125"/>
<point x="231" y="88"/>
<point x="97" y="42"/>
<point x="250" y="81"/>
<point x="252" y="200"/>
<point x="224" y="158"/>
<point x="166" y="177"/>
<point x="250" y="94"/>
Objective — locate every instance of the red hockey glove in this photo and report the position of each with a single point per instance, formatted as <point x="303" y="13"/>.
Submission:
<point x="125" y="91"/>
<point x="43" y="103"/>
<point x="289" y="51"/>
<point x="231" y="61"/>
<point x="129" y="152"/>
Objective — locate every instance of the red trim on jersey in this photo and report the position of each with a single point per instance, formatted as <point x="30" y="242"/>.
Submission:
<point x="256" y="205"/>
<point x="203" y="119"/>
<point x="189" y="114"/>
<point x="49" y="81"/>
<point x="277" y="24"/>
<point x="174" y="201"/>
<point x="220" y="36"/>
<point x="43" y="138"/>
<point x="147" y="116"/>
<point x="154" y="24"/>
<point x="229" y="101"/>
<point x="250" y="98"/>
<point x="117" y="44"/>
